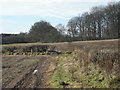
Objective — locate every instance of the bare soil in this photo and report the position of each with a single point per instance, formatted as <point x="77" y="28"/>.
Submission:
<point x="25" y="78"/>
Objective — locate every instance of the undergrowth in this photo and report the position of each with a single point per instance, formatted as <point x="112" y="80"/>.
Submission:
<point x="79" y="73"/>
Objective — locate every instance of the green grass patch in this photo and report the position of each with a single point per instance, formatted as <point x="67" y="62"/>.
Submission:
<point x="60" y="61"/>
<point x="59" y="76"/>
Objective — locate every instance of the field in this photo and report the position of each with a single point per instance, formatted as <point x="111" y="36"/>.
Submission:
<point x="81" y="64"/>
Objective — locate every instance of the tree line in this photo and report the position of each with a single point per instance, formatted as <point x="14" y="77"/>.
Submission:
<point x="102" y="22"/>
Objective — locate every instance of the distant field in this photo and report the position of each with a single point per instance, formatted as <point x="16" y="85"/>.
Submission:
<point x="81" y="64"/>
<point x="20" y="44"/>
<point x="61" y="42"/>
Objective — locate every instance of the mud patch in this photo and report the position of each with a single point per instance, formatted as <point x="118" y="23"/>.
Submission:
<point x="22" y="76"/>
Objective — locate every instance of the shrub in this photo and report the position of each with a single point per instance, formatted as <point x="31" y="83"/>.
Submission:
<point x="107" y="59"/>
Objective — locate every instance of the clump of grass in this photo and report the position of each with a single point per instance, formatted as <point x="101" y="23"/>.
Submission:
<point x="60" y="75"/>
<point x="108" y="60"/>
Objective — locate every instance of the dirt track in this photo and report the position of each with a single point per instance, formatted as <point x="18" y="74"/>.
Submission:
<point x="30" y="80"/>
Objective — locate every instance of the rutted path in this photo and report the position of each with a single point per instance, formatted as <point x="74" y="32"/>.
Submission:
<point x="38" y="80"/>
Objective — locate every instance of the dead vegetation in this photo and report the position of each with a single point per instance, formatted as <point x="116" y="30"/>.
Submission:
<point x="93" y="64"/>
<point x="30" y="50"/>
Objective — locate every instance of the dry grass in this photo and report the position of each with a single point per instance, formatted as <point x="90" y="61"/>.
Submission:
<point x="93" y="63"/>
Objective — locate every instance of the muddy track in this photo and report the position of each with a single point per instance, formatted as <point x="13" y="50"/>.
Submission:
<point x="35" y="80"/>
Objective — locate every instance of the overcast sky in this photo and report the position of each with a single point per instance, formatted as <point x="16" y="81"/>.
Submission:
<point x="18" y="15"/>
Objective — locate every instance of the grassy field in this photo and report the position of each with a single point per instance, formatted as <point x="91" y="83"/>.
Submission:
<point x="81" y="64"/>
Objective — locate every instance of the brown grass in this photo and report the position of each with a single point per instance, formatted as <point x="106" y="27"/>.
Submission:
<point x="102" y="53"/>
